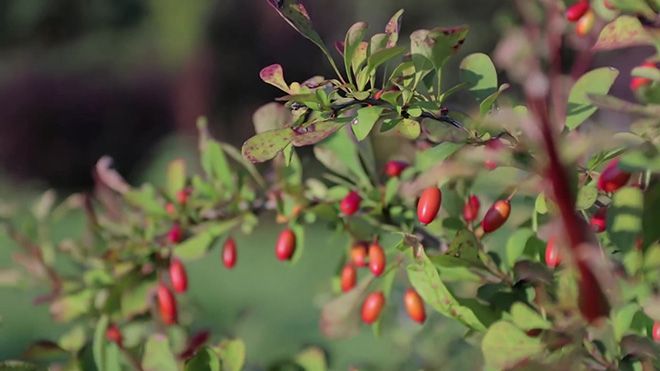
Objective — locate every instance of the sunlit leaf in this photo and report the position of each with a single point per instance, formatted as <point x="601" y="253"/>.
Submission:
<point x="505" y="345"/>
<point x="365" y="121"/>
<point x="312" y="359"/>
<point x="158" y="355"/>
<point x="624" y="217"/>
<point x="527" y="318"/>
<point x="438" y="44"/>
<point x="596" y="81"/>
<point x="623" y="32"/>
<point x="176" y="177"/>
<point x="478" y="73"/>
<point x="264" y="146"/>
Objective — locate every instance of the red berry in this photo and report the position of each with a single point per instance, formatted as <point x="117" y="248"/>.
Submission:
<point x="286" y="245"/>
<point x="170" y="208"/>
<point x="429" y="205"/>
<point x="612" y="178"/>
<point x="175" y="234"/>
<point x="395" y="168"/>
<point x="577" y="10"/>
<point x="359" y="254"/>
<point x="166" y="305"/>
<point x="585" y="24"/>
<point x="599" y="220"/>
<point x="414" y="306"/>
<point x="378" y="94"/>
<point x="656" y="331"/>
<point x="348" y="277"/>
<point x="178" y="276"/>
<point x="182" y="196"/>
<point x="490" y="164"/>
<point x="376" y="259"/>
<point x="372" y="307"/>
<point x="350" y="204"/>
<point x="496" y="215"/>
<point x="552" y="258"/>
<point x="113" y="334"/>
<point x="229" y="253"/>
<point x="471" y="208"/>
<point x="637" y="82"/>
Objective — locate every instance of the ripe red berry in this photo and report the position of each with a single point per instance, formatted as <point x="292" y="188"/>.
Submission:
<point x="552" y="258"/>
<point x="599" y="220"/>
<point x="229" y="253"/>
<point x="350" y="204"/>
<point x="175" y="234"/>
<point x="585" y="24"/>
<point x="637" y="82"/>
<point x="178" y="276"/>
<point x="376" y="259"/>
<point x="471" y="208"/>
<point x="429" y="205"/>
<point x="359" y="254"/>
<point x="577" y="10"/>
<point x="348" y="277"/>
<point x="170" y="208"/>
<point x="379" y="93"/>
<point x="286" y="245"/>
<point x="372" y="307"/>
<point x="182" y="196"/>
<point x="612" y="178"/>
<point x="496" y="215"/>
<point x="113" y="334"/>
<point x="656" y="331"/>
<point x="166" y="305"/>
<point x="395" y="168"/>
<point x="490" y="164"/>
<point x="414" y="306"/>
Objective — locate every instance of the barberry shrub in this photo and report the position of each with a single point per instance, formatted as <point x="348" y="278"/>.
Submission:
<point x="413" y="215"/>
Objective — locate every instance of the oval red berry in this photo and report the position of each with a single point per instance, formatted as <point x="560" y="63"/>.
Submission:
<point x="359" y="254"/>
<point x="286" y="245"/>
<point x="178" y="275"/>
<point x="577" y="10"/>
<point x="471" y="208"/>
<point x="113" y="334"/>
<point x="429" y="205"/>
<point x="496" y="215"/>
<point x="348" y="277"/>
<point x="552" y="258"/>
<point x="372" y="307"/>
<point x="414" y="306"/>
<point x="599" y="220"/>
<point x="656" y="331"/>
<point x="175" y="234"/>
<point x="350" y="204"/>
<point x="612" y="178"/>
<point x="376" y="259"/>
<point x="394" y="168"/>
<point x="229" y="254"/>
<point x="166" y="305"/>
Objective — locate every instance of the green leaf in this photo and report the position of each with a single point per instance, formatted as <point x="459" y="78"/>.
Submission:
<point x="195" y="247"/>
<point x="651" y="216"/>
<point x="133" y="300"/>
<point x="106" y="355"/>
<point x="623" y="32"/>
<point x="232" y="354"/>
<point x="313" y="133"/>
<point x="391" y="190"/>
<point x="624" y="217"/>
<point x="352" y="42"/>
<point x="432" y="156"/>
<point x="274" y="75"/>
<point x="157" y="355"/>
<point x="489" y="101"/>
<point x="299" y="231"/>
<point x="453" y="269"/>
<point x="271" y="116"/>
<point x="515" y="246"/>
<point x="623" y="318"/>
<point x="527" y="318"/>
<point x="176" y="177"/>
<point x="145" y="199"/>
<point x="72" y="306"/>
<point x="580" y="107"/>
<point x="392" y="29"/>
<point x="341" y="149"/>
<point x="204" y="360"/>
<point x="379" y="57"/>
<point x="504" y="345"/>
<point x="478" y="73"/>
<point x="586" y="197"/>
<point x="213" y="160"/>
<point x="312" y="359"/>
<point x="365" y="121"/>
<point x="635" y="6"/>
<point x="74" y="339"/>
<point x="409" y="129"/>
<point x="646" y="72"/>
<point x="425" y="279"/>
<point x="264" y="146"/>
<point x="438" y="44"/>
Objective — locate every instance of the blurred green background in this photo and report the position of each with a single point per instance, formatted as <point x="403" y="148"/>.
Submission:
<point x="127" y="78"/>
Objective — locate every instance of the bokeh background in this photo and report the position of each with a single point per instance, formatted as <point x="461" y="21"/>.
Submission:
<point x="84" y="78"/>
